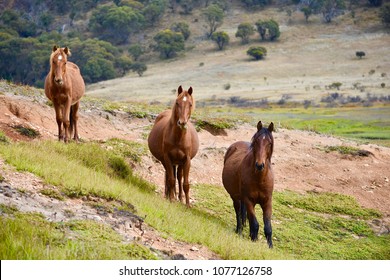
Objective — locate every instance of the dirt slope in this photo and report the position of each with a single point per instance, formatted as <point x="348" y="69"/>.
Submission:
<point x="299" y="162"/>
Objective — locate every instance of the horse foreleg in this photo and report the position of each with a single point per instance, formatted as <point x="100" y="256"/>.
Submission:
<point x="170" y="191"/>
<point x="58" y="111"/>
<point x="253" y="223"/>
<point x="267" y="213"/>
<point x="180" y="181"/>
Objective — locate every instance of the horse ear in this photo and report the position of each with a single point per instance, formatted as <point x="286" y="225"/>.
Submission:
<point x="55" y="48"/>
<point x="179" y="90"/>
<point x="67" y="51"/>
<point x="259" y="126"/>
<point x="271" y="127"/>
<point x="190" y="91"/>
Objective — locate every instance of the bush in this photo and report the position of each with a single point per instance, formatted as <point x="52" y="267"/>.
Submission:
<point x="269" y="27"/>
<point x="384" y="14"/>
<point x="183" y="28"/>
<point x="244" y="31"/>
<point x="221" y="38"/>
<point x="257" y="52"/>
<point x="169" y="43"/>
<point x="360" y="54"/>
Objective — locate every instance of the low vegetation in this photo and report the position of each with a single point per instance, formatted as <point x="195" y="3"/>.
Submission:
<point x="309" y="226"/>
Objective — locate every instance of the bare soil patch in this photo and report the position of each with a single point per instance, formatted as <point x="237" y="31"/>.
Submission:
<point x="300" y="164"/>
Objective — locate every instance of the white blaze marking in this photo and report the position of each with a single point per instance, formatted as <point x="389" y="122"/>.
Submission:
<point x="263" y="137"/>
<point x="60" y="57"/>
<point x="185" y="99"/>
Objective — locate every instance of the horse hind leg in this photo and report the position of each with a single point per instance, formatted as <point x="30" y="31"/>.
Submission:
<point x="237" y="204"/>
<point x="73" y="121"/>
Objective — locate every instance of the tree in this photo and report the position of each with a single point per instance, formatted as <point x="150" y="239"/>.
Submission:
<point x="154" y="11"/>
<point x="375" y="3"/>
<point x="244" y="31"/>
<point x="169" y="43"/>
<point x="221" y="38"/>
<point x="115" y="24"/>
<point x="183" y="28"/>
<point x="257" y="52"/>
<point x="256" y="3"/>
<point x="273" y="30"/>
<point x="307" y="11"/>
<point x="269" y="27"/>
<point x="136" y="51"/>
<point x="123" y="64"/>
<point x="309" y="7"/>
<point x="139" y="68"/>
<point x="328" y="8"/>
<point x="331" y="9"/>
<point x="384" y="14"/>
<point x="213" y="15"/>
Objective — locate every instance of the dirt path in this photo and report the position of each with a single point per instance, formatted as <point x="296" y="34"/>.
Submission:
<point x="300" y="164"/>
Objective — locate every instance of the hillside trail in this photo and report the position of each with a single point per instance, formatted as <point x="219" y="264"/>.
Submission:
<point x="300" y="164"/>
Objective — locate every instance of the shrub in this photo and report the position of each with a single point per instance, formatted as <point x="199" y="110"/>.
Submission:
<point x="360" y="54"/>
<point x="221" y="38"/>
<point x="244" y="31"/>
<point x="269" y="27"/>
<point x="169" y="43"/>
<point x="257" y="52"/>
<point x="183" y="28"/>
<point x="384" y="14"/>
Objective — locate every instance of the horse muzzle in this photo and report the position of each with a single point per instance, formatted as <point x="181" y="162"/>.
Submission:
<point x="182" y="125"/>
<point x="59" y="81"/>
<point x="259" y="167"/>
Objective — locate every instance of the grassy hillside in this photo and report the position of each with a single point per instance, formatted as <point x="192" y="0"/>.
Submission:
<point x="304" y="64"/>
<point x="311" y="226"/>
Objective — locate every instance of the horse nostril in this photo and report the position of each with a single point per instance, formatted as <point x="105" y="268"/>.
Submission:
<point x="260" y="166"/>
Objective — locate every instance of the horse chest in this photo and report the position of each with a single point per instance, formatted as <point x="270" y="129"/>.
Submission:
<point x="177" y="155"/>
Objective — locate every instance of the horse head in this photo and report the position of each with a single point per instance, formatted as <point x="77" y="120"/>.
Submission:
<point x="262" y="146"/>
<point x="183" y="107"/>
<point x="58" y="59"/>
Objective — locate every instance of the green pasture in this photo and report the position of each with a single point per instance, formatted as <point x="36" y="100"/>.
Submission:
<point x="309" y="226"/>
<point x="364" y="124"/>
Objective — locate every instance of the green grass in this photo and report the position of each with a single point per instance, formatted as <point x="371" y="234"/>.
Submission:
<point x="26" y="236"/>
<point x="365" y="124"/>
<point x="311" y="226"/>
<point x="65" y="166"/>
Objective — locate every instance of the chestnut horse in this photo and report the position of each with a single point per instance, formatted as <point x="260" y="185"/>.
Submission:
<point x="248" y="178"/>
<point x="64" y="86"/>
<point x="174" y="141"/>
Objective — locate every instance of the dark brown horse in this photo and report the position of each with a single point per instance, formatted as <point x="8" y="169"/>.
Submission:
<point x="247" y="176"/>
<point x="174" y="141"/>
<point x="64" y="86"/>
